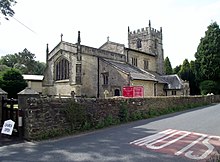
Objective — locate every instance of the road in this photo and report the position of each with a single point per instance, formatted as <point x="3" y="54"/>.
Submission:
<point x="174" y="135"/>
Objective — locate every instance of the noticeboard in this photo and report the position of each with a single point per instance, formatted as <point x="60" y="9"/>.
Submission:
<point x="8" y="127"/>
<point x="133" y="91"/>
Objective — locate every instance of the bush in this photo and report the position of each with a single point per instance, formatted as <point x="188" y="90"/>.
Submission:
<point x="77" y="116"/>
<point x="209" y="86"/>
<point x="12" y="82"/>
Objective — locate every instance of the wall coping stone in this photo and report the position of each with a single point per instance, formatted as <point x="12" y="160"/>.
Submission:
<point x="28" y="91"/>
<point x="2" y="92"/>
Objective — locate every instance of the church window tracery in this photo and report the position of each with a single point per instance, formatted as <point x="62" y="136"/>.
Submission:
<point x="62" y="69"/>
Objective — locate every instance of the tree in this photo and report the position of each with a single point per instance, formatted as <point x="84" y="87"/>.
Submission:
<point x="39" y="68"/>
<point x="23" y="61"/>
<point x="207" y="63"/>
<point x="167" y="66"/>
<point x="194" y="86"/>
<point x="26" y="59"/>
<point x="208" y="55"/>
<point x="177" y="69"/>
<point x="12" y="82"/>
<point x="187" y="73"/>
<point x="184" y="72"/>
<point x="9" y="60"/>
<point x="6" y="8"/>
<point x="209" y="86"/>
<point x="3" y="68"/>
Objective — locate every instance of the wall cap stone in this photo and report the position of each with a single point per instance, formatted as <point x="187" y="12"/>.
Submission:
<point x="2" y="92"/>
<point x="28" y="91"/>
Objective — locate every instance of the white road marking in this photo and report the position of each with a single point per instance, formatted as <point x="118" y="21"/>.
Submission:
<point x="191" y="144"/>
<point x="148" y="139"/>
<point x="167" y="137"/>
<point x="152" y="145"/>
<point x="206" y="153"/>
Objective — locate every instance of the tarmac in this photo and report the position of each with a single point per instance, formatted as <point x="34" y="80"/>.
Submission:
<point x="9" y="140"/>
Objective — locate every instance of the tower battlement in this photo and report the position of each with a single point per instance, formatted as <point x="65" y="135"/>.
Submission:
<point x="146" y="31"/>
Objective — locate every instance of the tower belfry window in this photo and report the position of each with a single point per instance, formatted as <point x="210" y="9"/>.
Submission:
<point x="139" y="45"/>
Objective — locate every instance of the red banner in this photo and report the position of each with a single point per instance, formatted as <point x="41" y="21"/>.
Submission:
<point x="133" y="91"/>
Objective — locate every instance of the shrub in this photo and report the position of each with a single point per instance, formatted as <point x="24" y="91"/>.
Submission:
<point x="209" y="86"/>
<point x="77" y="116"/>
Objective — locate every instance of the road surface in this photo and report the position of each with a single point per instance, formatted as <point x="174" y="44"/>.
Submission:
<point x="185" y="136"/>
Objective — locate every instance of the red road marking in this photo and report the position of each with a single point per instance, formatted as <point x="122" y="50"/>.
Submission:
<point x="192" y="145"/>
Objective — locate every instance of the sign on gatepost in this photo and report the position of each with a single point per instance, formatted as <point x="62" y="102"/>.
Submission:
<point x="8" y="127"/>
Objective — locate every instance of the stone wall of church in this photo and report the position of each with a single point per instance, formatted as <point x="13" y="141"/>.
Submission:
<point x="160" y="90"/>
<point x="113" y="47"/>
<point x="89" y="75"/>
<point x="116" y="79"/>
<point x="148" y="86"/>
<point x="140" y="60"/>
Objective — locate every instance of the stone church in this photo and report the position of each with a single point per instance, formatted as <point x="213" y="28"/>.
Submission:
<point x="83" y="71"/>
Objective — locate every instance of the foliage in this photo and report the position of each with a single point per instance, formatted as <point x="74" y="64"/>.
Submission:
<point x="123" y="113"/>
<point x="167" y="66"/>
<point x="177" y="69"/>
<point x="6" y="8"/>
<point x="39" y="68"/>
<point x="208" y="55"/>
<point x="12" y="82"/>
<point x="209" y="86"/>
<point x="24" y="61"/>
<point x="194" y="86"/>
<point x="185" y="70"/>
<point x="9" y="60"/>
<point x="76" y="115"/>
<point x="3" y="68"/>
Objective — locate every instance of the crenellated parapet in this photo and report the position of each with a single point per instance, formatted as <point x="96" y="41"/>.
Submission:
<point x="147" y="31"/>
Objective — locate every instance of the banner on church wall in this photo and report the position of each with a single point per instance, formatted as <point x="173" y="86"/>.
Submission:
<point x="133" y="91"/>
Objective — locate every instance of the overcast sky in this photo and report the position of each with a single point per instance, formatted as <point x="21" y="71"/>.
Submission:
<point x="184" y="22"/>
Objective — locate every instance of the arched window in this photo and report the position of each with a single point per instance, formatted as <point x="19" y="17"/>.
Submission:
<point x="117" y="92"/>
<point x="62" y="69"/>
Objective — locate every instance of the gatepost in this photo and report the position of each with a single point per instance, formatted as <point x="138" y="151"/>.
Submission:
<point x="23" y="97"/>
<point x="2" y="94"/>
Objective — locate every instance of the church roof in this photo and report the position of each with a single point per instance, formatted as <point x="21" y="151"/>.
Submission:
<point x="159" y="78"/>
<point x="131" y="49"/>
<point x="134" y="72"/>
<point x="174" y="82"/>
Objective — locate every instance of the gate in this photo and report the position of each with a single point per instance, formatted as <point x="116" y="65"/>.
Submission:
<point x="10" y="111"/>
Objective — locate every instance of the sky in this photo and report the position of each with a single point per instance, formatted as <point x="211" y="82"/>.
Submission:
<point x="38" y="22"/>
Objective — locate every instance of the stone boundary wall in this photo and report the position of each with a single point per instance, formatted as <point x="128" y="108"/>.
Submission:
<point x="43" y="116"/>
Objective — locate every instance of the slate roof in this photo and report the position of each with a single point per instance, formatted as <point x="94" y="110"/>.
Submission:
<point x="159" y="78"/>
<point x="135" y="73"/>
<point x="174" y="82"/>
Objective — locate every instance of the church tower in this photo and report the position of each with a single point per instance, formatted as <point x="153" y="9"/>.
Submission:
<point x="148" y="40"/>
